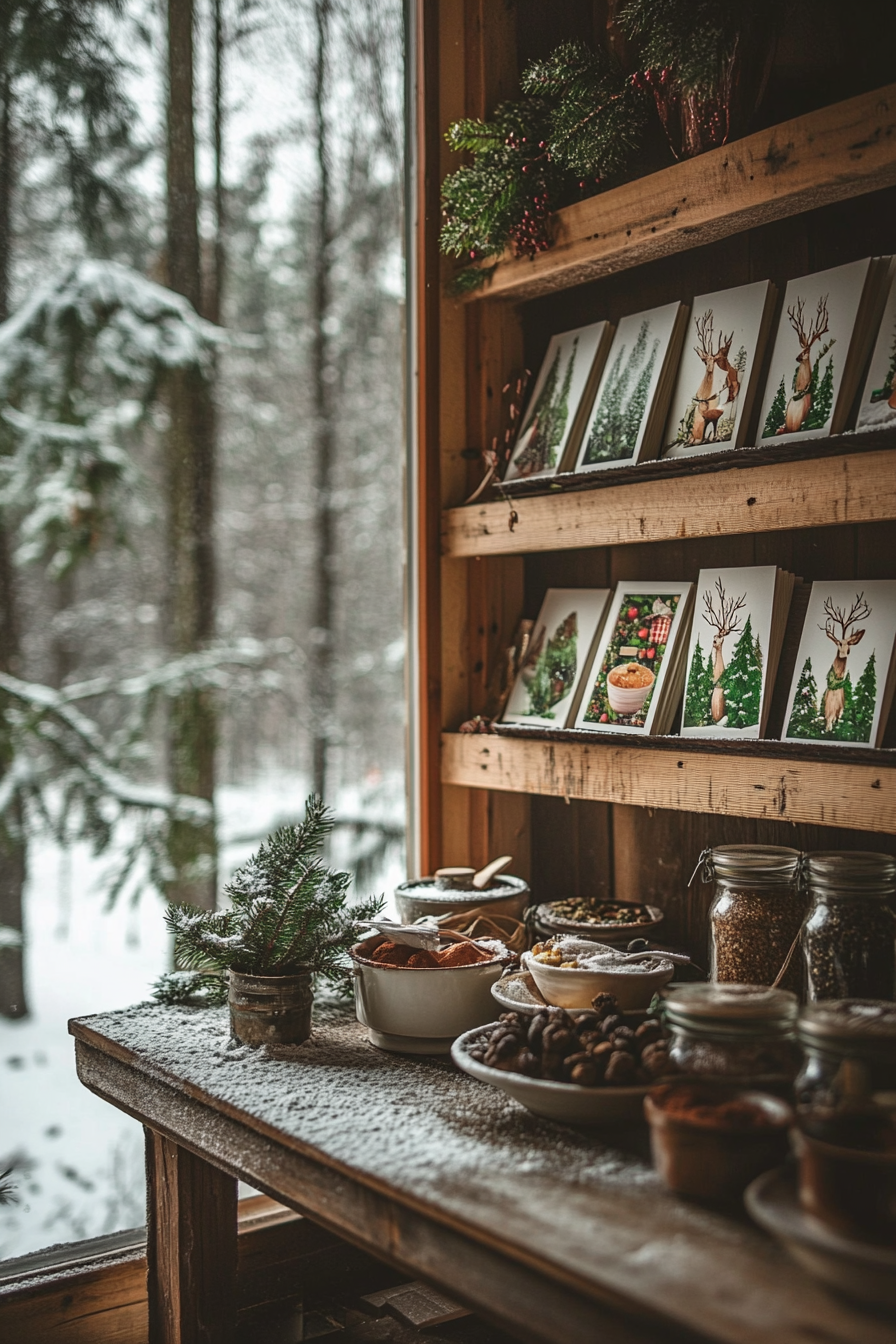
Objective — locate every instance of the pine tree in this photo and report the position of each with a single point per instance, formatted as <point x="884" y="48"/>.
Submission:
<point x="615" y="429"/>
<point x="776" y="413"/>
<point x="555" y="670"/>
<point x="866" y="700"/>
<point x="845" y="729"/>
<point x="804" y="716"/>
<point x="287" y="912"/>
<point x="742" y="682"/>
<point x="822" y="392"/>
<point x="699" y="691"/>
<point x="532" y="457"/>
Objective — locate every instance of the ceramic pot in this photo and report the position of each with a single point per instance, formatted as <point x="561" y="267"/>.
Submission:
<point x="504" y="895"/>
<point x="421" y="1010"/>
<point x="270" y="1009"/>
<point x="849" y="1189"/>
<point x="712" y="1163"/>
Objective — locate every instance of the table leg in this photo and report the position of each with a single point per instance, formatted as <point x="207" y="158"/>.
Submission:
<point x="190" y="1246"/>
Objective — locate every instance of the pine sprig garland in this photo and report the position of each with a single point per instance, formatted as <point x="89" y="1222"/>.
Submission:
<point x="287" y="912"/>
<point x="597" y="116"/>
<point x="508" y="192"/>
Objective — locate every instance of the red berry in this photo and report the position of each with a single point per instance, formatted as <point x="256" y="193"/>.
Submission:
<point x="643" y="632"/>
<point x="604" y="718"/>
<point x="632" y="613"/>
<point x="651" y="653"/>
<point x="641" y="653"/>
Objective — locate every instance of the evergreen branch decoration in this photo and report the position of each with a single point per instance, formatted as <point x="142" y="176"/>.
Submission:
<point x="583" y="119"/>
<point x="8" y="1191"/>
<point x="287" y="912"/>
<point x="598" y="115"/>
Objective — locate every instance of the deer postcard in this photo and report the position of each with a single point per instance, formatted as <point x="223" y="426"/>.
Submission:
<point x="843" y="678"/>
<point x="822" y="343"/>
<point x="551" y="423"/>
<point x="625" y="420"/>
<point x="720" y="370"/>
<point x="634" y="683"/>
<point x="736" y="635"/>
<point x="877" y="409"/>
<point x="545" y="691"/>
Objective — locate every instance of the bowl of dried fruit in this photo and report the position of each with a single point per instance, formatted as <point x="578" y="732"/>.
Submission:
<point x="584" y="1069"/>
<point x="416" y="1001"/>
<point x="608" y="921"/>
<point x="571" y="971"/>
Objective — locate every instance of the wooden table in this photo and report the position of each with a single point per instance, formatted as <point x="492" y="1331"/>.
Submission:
<point x="551" y="1232"/>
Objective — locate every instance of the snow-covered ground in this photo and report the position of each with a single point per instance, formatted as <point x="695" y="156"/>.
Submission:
<point x="78" y="1160"/>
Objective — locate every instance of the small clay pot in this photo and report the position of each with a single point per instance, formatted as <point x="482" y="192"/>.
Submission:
<point x="715" y="1164"/>
<point x="270" y="1009"/>
<point x="850" y="1189"/>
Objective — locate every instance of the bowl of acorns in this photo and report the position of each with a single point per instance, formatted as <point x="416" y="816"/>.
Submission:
<point x="589" y="1068"/>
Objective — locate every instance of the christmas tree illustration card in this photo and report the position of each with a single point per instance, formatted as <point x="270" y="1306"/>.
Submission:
<point x="877" y="409"/>
<point x="625" y="418"/>
<point x="546" y="689"/>
<point x="552" y="422"/>
<point x="740" y="616"/>
<point x="844" y="675"/>
<point x="720" y="370"/>
<point x="824" y="336"/>
<point x="634" y="682"/>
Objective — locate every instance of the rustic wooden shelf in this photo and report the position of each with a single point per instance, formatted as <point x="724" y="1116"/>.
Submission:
<point x="840" y="151"/>
<point x="772" y="781"/>
<point x="734" y="497"/>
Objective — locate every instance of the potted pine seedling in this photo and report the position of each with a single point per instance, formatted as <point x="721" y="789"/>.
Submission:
<point x="288" y="924"/>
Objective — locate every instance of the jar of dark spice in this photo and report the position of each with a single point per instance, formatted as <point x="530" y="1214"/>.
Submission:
<point x="849" y="1069"/>
<point x="849" y="937"/>
<point x="756" y="914"/>
<point x="742" y="1035"/>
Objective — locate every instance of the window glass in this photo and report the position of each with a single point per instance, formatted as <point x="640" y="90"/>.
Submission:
<point x="201" y="451"/>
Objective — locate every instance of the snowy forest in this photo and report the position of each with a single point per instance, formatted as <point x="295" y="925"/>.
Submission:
<point x="201" y="459"/>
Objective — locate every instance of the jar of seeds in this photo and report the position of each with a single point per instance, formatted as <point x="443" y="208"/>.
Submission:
<point x="737" y="1034"/>
<point x="755" y="917"/>
<point x="846" y="1087"/>
<point x="849" y="938"/>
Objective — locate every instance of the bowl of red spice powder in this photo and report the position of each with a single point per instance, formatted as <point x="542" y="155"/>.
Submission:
<point x="417" y="1001"/>
<point x="710" y="1142"/>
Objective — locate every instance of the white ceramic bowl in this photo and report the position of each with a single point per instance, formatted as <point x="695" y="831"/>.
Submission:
<point x="421" y="1011"/>
<point x="576" y="988"/>
<point x="628" y="699"/>
<point x="566" y="1102"/>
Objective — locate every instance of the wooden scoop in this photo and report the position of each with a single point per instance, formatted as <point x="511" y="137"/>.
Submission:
<point x="485" y="875"/>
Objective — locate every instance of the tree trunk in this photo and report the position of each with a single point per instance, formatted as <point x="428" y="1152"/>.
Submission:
<point x="190" y="487"/>
<point x="322" y="687"/>
<point x="13" y="853"/>
<point x="215" y="297"/>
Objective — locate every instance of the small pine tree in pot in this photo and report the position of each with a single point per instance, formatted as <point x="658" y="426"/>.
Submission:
<point x="287" y="924"/>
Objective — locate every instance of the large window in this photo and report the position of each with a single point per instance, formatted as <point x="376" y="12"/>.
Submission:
<point x="200" y="508"/>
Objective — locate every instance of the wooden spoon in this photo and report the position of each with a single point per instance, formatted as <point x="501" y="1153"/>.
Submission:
<point x="485" y="875"/>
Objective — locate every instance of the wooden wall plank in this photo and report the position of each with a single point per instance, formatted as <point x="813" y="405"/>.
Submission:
<point x="777" y="787"/>
<point x="840" y="151"/>
<point x="858" y="487"/>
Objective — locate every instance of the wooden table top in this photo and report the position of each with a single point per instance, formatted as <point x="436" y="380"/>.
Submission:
<point x="411" y="1155"/>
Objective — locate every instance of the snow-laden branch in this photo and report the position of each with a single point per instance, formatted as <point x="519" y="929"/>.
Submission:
<point x="194" y="669"/>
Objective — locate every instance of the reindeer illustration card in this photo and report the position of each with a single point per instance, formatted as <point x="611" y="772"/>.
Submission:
<point x="625" y="418"/>
<point x="877" y="409"/>
<point x="546" y="689"/>
<point x="740" y="616"/>
<point x="552" y="421"/>
<point x="720" y="370"/>
<point x="821" y="345"/>
<point x="843" y="679"/>
<point x="634" y="683"/>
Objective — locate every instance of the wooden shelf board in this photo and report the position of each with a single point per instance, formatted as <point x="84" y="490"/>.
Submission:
<point x="732" y="498"/>
<point x="773" y="781"/>
<point x="840" y="151"/>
